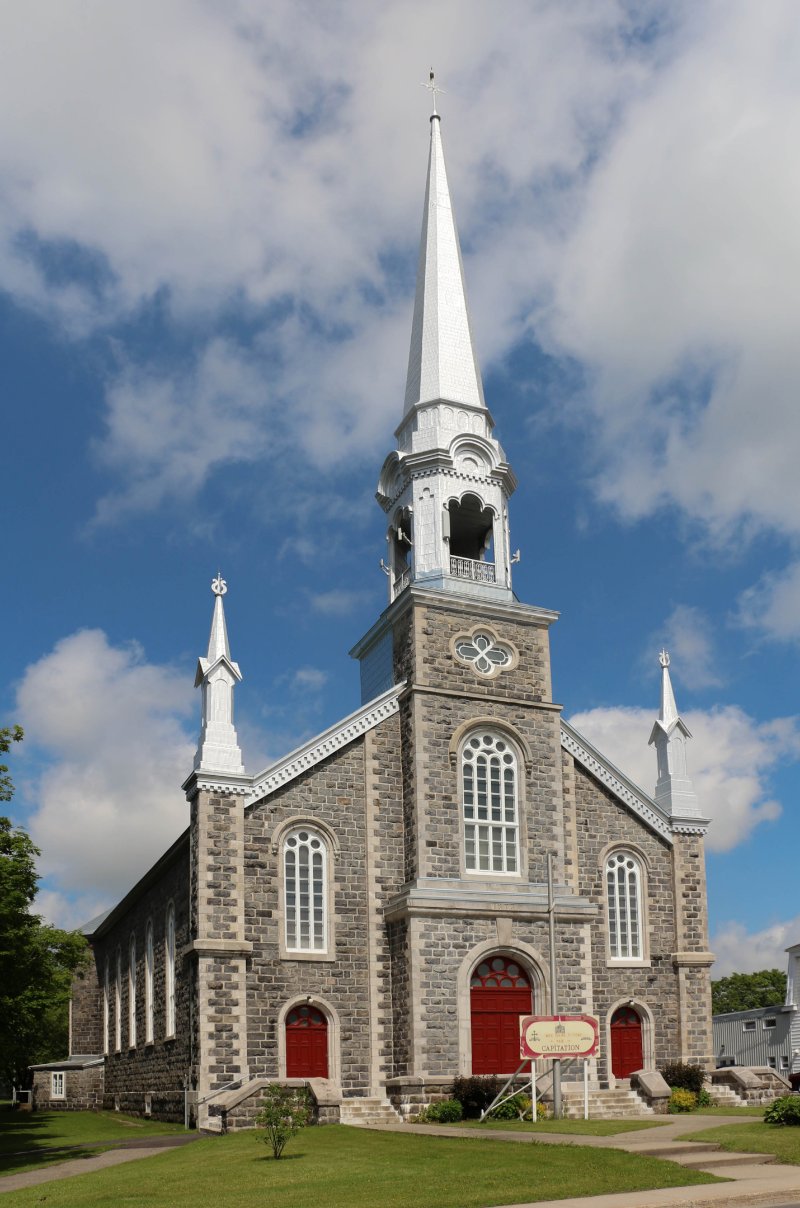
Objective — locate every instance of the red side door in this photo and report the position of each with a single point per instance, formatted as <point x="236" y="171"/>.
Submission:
<point x="627" y="1053"/>
<point x="306" y="1043"/>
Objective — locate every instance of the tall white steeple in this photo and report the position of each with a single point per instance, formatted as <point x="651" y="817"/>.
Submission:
<point x="674" y="790"/>
<point x="217" y="674"/>
<point x="446" y="487"/>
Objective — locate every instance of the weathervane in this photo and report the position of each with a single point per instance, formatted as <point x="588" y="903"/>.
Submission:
<point x="433" y="88"/>
<point x="663" y="659"/>
<point x="219" y="586"/>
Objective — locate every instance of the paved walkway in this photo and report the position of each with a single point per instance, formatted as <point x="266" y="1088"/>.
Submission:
<point x="128" y="1151"/>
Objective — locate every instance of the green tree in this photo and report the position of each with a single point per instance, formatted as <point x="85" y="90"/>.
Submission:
<point x="284" y="1111"/>
<point x="745" y="991"/>
<point x="37" y="961"/>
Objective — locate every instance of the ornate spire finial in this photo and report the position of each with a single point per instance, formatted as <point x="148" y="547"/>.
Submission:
<point x="433" y="88"/>
<point x="663" y="658"/>
<point x="218" y="585"/>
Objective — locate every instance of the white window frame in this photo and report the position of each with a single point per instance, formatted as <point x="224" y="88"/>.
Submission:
<point x="489" y="778"/>
<point x="169" y="972"/>
<point x="118" y="1005"/>
<point x="784" y="1061"/>
<point x="625" y="921"/>
<point x="772" y="1061"/>
<point x="107" y="1009"/>
<point x="305" y="924"/>
<point x="148" y="983"/>
<point x="132" y="992"/>
<point x="749" y="1025"/>
<point x="769" y="1024"/>
<point x="58" y="1085"/>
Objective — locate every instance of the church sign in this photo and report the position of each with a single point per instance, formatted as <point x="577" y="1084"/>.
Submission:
<point x="558" y="1036"/>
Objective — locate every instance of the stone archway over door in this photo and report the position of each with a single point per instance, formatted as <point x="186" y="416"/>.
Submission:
<point x="306" y="1043"/>
<point x="627" y="1050"/>
<point x="500" y="991"/>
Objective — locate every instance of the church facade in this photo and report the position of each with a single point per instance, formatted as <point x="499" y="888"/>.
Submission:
<point x="372" y="913"/>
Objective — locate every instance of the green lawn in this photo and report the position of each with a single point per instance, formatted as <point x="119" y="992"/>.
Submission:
<point x="585" y="1128"/>
<point x="756" y="1137"/>
<point x="344" y="1167"/>
<point x="753" y="1110"/>
<point x="25" y="1137"/>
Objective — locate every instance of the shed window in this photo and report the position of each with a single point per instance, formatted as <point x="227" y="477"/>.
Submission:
<point x="749" y="1025"/>
<point x="57" y="1085"/>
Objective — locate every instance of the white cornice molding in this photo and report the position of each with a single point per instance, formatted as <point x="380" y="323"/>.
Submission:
<point x="233" y="786"/>
<point x="325" y="744"/>
<point x="616" y="781"/>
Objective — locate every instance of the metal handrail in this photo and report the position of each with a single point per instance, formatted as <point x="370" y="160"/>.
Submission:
<point x="472" y="568"/>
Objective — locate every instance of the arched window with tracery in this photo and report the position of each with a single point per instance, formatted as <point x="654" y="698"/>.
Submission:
<point x="169" y="987"/>
<point x="305" y="887"/>
<point x="624" y="899"/>
<point x="490" y="804"/>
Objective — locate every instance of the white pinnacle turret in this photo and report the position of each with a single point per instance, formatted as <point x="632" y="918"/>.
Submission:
<point x="674" y="790"/>
<point x="218" y="750"/>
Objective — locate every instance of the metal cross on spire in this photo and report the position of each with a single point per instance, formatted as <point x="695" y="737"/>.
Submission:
<point x="433" y="88"/>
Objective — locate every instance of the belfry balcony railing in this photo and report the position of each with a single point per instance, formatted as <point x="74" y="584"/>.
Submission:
<point x="470" y="568"/>
<point x="402" y="581"/>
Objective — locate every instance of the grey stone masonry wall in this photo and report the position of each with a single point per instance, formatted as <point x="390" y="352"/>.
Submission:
<point x="601" y="820"/>
<point x="401" y="1003"/>
<point x="218" y="947"/>
<point x="83" y="1090"/>
<point x="692" y="959"/>
<point x="156" y="1069"/>
<point x="86" y="1012"/>
<point x="355" y="797"/>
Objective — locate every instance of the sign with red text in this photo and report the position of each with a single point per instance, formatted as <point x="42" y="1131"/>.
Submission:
<point x="558" y="1036"/>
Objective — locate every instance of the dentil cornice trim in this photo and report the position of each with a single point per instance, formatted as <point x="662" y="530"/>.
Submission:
<point x="325" y="744"/>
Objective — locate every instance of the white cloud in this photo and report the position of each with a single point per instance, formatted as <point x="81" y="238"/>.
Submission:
<point x="772" y="605"/>
<point x="730" y="759"/>
<point x="111" y="728"/>
<point x="339" y="601"/>
<point x="309" y="679"/>
<point x="688" y="636"/>
<point x="741" y="951"/>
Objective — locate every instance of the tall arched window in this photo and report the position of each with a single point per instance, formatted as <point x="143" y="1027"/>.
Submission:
<point x="491" y="823"/>
<point x="132" y="993"/>
<point x="118" y="1004"/>
<point x="169" y="965"/>
<point x="305" y="891"/>
<point x="148" y="984"/>
<point x="624" y="896"/>
<point x="106" y="1007"/>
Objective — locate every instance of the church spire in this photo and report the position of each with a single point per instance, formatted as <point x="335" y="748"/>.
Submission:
<point x="442" y="363"/>
<point x="445" y="489"/>
<point x="674" y="790"/>
<point x="217" y="674"/>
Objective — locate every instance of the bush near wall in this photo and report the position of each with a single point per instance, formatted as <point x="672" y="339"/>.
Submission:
<point x="678" y="1074"/>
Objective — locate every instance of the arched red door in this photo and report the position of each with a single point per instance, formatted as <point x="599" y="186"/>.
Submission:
<point x="306" y="1043"/>
<point x="627" y="1054"/>
<point x="499" y="993"/>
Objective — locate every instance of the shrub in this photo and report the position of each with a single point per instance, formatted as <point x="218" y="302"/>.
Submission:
<point x="448" y="1111"/>
<point x="512" y="1109"/>
<point x="474" y="1094"/>
<point x="783" y="1111"/>
<point x="681" y="1101"/>
<point x="284" y="1112"/>
<point x="541" y="1111"/>
<point x="704" y="1099"/>
<point x="685" y="1077"/>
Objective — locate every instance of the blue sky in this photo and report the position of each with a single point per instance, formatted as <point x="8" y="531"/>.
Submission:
<point x="208" y="233"/>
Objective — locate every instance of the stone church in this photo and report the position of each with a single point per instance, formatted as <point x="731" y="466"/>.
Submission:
<point x="370" y="913"/>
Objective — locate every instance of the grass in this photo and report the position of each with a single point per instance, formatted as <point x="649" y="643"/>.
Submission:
<point x="29" y="1140"/>
<point x="585" y="1128"/>
<point x="756" y="1137"/>
<point x="353" y="1168"/>
<point x="752" y="1110"/>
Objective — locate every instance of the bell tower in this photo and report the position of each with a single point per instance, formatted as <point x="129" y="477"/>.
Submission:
<point x="446" y="486"/>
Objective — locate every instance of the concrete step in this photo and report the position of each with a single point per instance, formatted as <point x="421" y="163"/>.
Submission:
<point x="723" y="1160"/>
<point x="367" y="1111"/>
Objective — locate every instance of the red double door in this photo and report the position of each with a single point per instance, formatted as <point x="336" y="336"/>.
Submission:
<point x="499" y="993"/>
<point x="306" y="1043"/>
<point x="627" y="1052"/>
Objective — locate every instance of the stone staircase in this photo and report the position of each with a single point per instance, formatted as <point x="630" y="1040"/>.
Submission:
<point x="366" y="1112"/>
<point x="698" y="1155"/>
<point x="619" y="1104"/>
<point x="724" y="1096"/>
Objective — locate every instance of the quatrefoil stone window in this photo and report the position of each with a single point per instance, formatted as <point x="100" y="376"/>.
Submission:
<point x="484" y="652"/>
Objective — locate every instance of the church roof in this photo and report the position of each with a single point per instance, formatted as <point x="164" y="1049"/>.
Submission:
<point x="441" y="363"/>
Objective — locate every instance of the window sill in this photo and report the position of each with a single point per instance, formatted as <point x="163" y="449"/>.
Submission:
<point x="287" y="954"/>
<point x="170" y="1036"/>
<point x="614" y="962"/>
